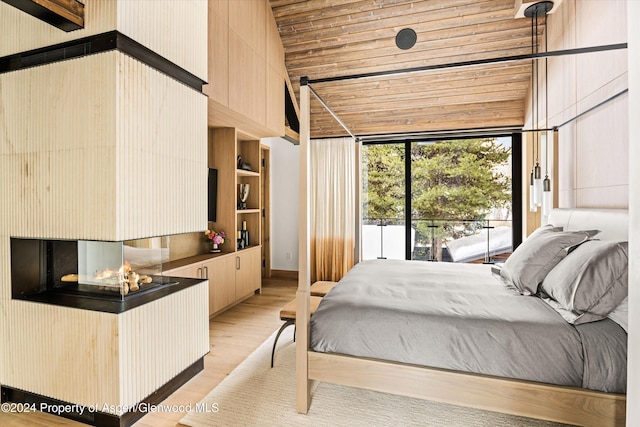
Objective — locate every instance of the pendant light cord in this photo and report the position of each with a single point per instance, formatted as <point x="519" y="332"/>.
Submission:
<point x="546" y="97"/>
<point x="537" y="93"/>
<point x="533" y="105"/>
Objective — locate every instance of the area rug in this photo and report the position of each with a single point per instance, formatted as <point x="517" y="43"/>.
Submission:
<point x="255" y="394"/>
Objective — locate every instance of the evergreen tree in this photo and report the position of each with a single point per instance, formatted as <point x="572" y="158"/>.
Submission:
<point x="451" y="180"/>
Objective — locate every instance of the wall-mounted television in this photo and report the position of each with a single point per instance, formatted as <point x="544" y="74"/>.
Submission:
<point x="213" y="194"/>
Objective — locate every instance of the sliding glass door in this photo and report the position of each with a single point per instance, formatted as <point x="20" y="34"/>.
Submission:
<point x="384" y="195"/>
<point x="439" y="200"/>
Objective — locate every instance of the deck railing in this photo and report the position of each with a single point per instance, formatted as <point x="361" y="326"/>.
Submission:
<point x="452" y="240"/>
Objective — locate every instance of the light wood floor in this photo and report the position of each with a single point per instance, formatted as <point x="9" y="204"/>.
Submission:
<point x="234" y="335"/>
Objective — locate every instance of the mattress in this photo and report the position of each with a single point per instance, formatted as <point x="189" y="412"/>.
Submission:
<point x="462" y="317"/>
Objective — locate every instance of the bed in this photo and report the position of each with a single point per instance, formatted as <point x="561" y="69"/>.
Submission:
<point x="546" y="361"/>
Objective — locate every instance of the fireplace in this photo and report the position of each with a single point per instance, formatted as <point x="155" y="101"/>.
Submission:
<point x="87" y="313"/>
<point x="110" y="271"/>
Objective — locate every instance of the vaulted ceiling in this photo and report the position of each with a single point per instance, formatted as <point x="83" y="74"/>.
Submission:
<point x="334" y="38"/>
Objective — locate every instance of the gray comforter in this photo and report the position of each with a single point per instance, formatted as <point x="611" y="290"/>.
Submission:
<point x="461" y="317"/>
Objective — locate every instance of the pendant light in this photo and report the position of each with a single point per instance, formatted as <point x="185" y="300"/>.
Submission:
<point x="536" y="186"/>
<point x="546" y="184"/>
<point x="532" y="203"/>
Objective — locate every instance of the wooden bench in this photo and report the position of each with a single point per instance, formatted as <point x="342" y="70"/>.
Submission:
<point x="288" y="312"/>
<point x="321" y="288"/>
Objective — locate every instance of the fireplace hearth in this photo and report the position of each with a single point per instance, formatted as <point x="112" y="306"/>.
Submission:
<point x="70" y="270"/>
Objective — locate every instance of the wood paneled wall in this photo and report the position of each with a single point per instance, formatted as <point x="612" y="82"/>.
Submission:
<point x="159" y="340"/>
<point x="593" y="150"/>
<point x="161" y="154"/>
<point x="108" y="149"/>
<point x="246" y="68"/>
<point x="172" y="29"/>
<point x="22" y="32"/>
<point x="65" y="353"/>
<point x="92" y="358"/>
<point x="57" y="150"/>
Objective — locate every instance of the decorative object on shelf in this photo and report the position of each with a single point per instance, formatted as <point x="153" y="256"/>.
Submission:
<point x="240" y="241"/>
<point x="243" y="194"/>
<point x="242" y="165"/>
<point x="244" y="235"/>
<point x="216" y="238"/>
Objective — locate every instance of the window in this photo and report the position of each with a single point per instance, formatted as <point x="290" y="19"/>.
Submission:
<point x="441" y="200"/>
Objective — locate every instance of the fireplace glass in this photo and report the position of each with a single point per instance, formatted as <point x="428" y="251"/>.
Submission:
<point x="102" y="269"/>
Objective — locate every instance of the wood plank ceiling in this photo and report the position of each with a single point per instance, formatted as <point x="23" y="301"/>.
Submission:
<point x="330" y="38"/>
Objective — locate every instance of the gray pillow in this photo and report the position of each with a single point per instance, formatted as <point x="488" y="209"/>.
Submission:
<point x="591" y="282"/>
<point x="528" y="265"/>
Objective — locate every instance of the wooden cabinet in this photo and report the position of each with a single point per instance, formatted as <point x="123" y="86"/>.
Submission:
<point x="248" y="272"/>
<point x="246" y="71"/>
<point x="232" y="277"/>
<point x="222" y="283"/>
<point x="191" y="271"/>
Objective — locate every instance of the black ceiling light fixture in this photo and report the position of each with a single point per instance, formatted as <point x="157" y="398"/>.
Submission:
<point x="406" y="38"/>
<point x="537" y="186"/>
<point x="538" y="9"/>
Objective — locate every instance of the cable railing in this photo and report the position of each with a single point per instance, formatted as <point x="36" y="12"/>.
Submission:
<point x="437" y="239"/>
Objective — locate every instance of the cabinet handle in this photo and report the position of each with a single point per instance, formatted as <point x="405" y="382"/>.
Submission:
<point x="199" y="272"/>
<point x="237" y="263"/>
<point x="206" y="272"/>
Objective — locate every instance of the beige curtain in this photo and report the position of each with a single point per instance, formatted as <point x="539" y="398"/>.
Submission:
<point x="333" y="207"/>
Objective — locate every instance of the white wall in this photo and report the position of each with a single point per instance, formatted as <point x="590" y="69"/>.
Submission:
<point x="633" y="377"/>
<point x="285" y="170"/>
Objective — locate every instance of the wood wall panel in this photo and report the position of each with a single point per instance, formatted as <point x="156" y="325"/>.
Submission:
<point x="246" y="79"/>
<point x="161" y="151"/>
<point x="247" y="19"/>
<point x="104" y="148"/>
<point x="88" y="357"/>
<point x="275" y="50"/>
<point x="244" y="52"/>
<point x="274" y="99"/>
<point x="174" y="29"/>
<point x="22" y="32"/>
<point x="592" y="150"/>
<point x="59" y="352"/>
<point x="58" y="149"/>
<point x="218" y="57"/>
<point x="150" y="336"/>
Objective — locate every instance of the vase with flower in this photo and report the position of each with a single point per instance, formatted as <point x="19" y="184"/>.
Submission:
<point x="216" y="239"/>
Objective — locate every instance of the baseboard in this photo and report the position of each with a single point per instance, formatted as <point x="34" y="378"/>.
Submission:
<point x="284" y="274"/>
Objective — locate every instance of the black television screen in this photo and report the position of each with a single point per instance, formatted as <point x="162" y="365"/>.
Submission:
<point x="213" y="193"/>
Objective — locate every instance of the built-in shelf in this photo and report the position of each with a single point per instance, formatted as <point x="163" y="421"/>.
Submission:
<point x="227" y="146"/>
<point x="243" y="172"/>
<point x="248" y="247"/>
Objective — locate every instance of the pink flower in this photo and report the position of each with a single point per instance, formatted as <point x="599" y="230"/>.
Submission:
<point x="215" y="237"/>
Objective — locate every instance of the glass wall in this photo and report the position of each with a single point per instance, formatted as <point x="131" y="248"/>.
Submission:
<point x="438" y="200"/>
<point x="384" y="194"/>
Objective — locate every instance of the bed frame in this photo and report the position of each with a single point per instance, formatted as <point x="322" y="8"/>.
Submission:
<point x="569" y="405"/>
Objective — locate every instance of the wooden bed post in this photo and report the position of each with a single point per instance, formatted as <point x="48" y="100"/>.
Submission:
<point x="303" y="294"/>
